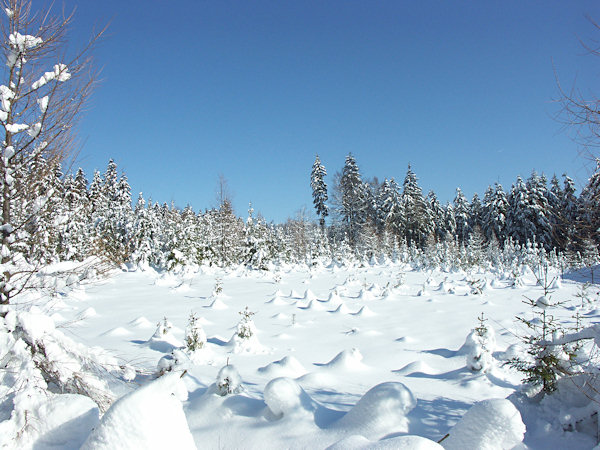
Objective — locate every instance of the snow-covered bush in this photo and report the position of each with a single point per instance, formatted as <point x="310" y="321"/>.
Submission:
<point x="195" y="337"/>
<point x="228" y="381"/>
<point x="479" y="345"/>
<point x="246" y="328"/>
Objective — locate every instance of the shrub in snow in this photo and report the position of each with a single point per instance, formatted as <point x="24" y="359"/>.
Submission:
<point x="218" y="289"/>
<point x="177" y="360"/>
<point x="162" y="328"/>
<point x="246" y="328"/>
<point x="479" y="345"/>
<point x="244" y="339"/>
<point x="381" y="410"/>
<point x="544" y="364"/>
<point x="195" y="337"/>
<point x="488" y="425"/>
<point x="228" y="381"/>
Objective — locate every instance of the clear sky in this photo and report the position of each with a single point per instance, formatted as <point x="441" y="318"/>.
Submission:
<point x="253" y="90"/>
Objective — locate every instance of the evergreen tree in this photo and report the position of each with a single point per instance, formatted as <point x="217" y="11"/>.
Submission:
<point x="519" y="224"/>
<point x="437" y="216"/>
<point x="539" y="210"/>
<point x="352" y="209"/>
<point x="417" y="223"/>
<point x="495" y="209"/>
<point x="319" y="190"/>
<point x="462" y="213"/>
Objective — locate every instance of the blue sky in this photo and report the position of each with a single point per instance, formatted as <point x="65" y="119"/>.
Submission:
<point x="253" y="90"/>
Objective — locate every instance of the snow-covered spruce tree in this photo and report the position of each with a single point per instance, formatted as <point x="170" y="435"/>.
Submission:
<point x="417" y="223"/>
<point x="495" y="207"/>
<point x="319" y="191"/>
<point x="462" y="214"/>
<point x="480" y="345"/>
<point x="352" y="206"/>
<point x="41" y="97"/>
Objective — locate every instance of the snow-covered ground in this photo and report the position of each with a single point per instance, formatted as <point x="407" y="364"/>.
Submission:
<point x="347" y="357"/>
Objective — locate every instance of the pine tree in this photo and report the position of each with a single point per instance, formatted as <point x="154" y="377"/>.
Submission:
<point x="319" y="190"/>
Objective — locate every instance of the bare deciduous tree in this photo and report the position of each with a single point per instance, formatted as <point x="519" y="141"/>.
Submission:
<point x="43" y="91"/>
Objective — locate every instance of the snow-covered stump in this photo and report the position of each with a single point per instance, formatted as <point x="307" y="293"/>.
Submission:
<point x="493" y="424"/>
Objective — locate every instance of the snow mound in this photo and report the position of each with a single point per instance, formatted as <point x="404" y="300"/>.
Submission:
<point x="364" y="311"/>
<point x="415" y="367"/>
<point x="380" y="412"/>
<point x="163" y="339"/>
<point x="309" y="295"/>
<point x="365" y="295"/>
<point x="218" y="304"/>
<point x="150" y="417"/>
<point x="285" y="367"/>
<point x="488" y="425"/>
<point x="280" y="316"/>
<point x="357" y="442"/>
<point x="294" y="294"/>
<point x="141" y="322"/>
<point x="285" y="398"/>
<point x="341" y="309"/>
<point x="346" y="360"/>
<point x="168" y="280"/>
<point x="116" y="332"/>
<point x="334" y="298"/>
<point x="276" y="301"/>
<point x="313" y="305"/>
<point x="87" y="313"/>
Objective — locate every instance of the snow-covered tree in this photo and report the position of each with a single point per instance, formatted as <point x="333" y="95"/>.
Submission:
<point x="462" y="214"/>
<point x="41" y="96"/>
<point x="417" y="223"/>
<point x="319" y="191"/>
<point x="352" y="207"/>
<point x="495" y="209"/>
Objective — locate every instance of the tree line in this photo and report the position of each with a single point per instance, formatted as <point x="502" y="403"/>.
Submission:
<point x="370" y="215"/>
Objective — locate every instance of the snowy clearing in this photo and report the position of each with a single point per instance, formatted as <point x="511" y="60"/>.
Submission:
<point x="339" y="357"/>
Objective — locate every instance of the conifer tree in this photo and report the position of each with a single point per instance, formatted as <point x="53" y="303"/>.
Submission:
<point x="352" y="209"/>
<point x="462" y="213"/>
<point x="417" y="225"/>
<point x="319" y="191"/>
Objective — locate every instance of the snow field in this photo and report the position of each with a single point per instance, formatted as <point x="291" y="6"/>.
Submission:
<point x="341" y="357"/>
